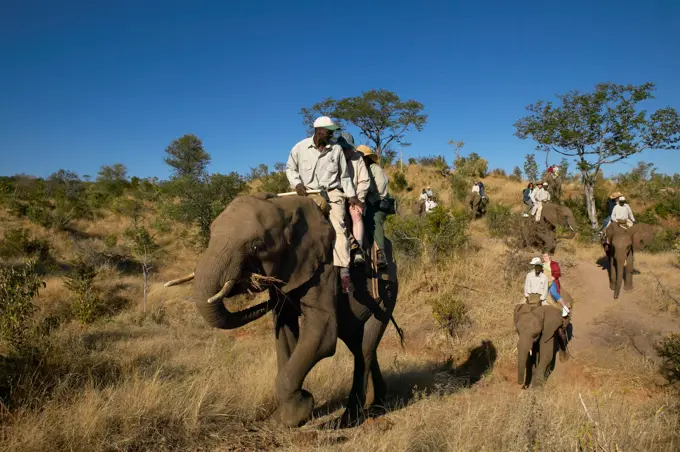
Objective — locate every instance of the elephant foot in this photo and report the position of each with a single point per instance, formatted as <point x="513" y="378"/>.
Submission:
<point x="295" y="411"/>
<point x="627" y="288"/>
<point x="616" y="296"/>
<point x="352" y="417"/>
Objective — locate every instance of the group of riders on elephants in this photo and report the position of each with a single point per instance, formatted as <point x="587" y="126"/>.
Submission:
<point x="321" y="255"/>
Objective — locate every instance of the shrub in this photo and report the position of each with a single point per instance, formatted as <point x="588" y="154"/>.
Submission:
<point x="669" y="350"/>
<point x="436" y="235"/>
<point x="451" y="313"/>
<point x="398" y="182"/>
<point x="110" y="240"/>
<point x="436" y="161"/>
<point x="499" y="172"/>
<point x="516" y="174"/>
<point x="498" y="218"/>
<point x="17" y="242"/>
<point x="648" y="216"/>
<point x="86" y="302"/>
<point x="662" y="241"/>
<point x="460" y="185"/>
<point x="17" y="287"/>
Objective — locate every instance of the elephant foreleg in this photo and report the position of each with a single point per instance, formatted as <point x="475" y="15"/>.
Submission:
<point x="286" y="332"/>
<point x="629" y="271"/>
<point x="612" y="272"/>
<point x="546" y="356"/>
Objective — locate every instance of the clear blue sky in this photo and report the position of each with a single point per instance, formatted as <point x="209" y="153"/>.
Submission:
<point x="88" y="83"/>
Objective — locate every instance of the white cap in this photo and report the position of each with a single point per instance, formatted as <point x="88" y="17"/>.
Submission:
<point x="325" y="122"/>
<point x="622" y="198"/>
<point x="536" y="261"/>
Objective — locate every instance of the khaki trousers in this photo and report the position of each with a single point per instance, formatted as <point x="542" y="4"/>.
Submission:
<point x="336" y="200"/>
<point x="538" y="210"/>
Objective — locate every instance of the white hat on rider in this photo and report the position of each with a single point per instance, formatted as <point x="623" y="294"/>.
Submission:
<point x="536" y="261"/>
<point x="622" y="198"/>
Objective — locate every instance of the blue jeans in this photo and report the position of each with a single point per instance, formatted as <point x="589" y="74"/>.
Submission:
<point x="605" y="223"/>
<point x="553" y="292"/>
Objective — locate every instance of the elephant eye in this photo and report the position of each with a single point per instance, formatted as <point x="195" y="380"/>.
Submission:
<point x="258" y="247"/>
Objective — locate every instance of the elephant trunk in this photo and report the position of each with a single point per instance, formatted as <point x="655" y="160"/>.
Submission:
<point x="210" y="289"/>
<point x="524" y="346"/>
<point x="571" y="225"/>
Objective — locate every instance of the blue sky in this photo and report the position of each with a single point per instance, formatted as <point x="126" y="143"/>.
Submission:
<point x="86" y="83"/>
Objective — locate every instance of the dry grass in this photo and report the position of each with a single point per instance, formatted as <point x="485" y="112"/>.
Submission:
<point x="135" y="383"/>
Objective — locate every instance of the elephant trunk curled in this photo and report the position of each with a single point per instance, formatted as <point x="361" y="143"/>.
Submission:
<point x="211" y="287"/>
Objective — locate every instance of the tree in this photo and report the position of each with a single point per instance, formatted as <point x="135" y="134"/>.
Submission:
<point x="381" y="116"/>
<point x="516" y="174"/>
<point x="144" y="249"/>
<point x="112" y="180"/>
<point x="599" y="128"/>
<point x="187" y="157"/>
<point x="564" y="168"/>
<point x="457" y="146"/>
<point x="530" y="167"/>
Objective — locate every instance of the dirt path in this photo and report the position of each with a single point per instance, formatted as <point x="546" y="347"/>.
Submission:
<point x="601" y="323"/>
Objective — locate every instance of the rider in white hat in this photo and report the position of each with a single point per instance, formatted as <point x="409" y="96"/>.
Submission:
<point x="622" y="213"/>
<point x="536" y="283"/>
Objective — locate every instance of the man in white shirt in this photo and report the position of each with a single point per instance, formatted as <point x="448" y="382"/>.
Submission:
<point x="623" y="213"/>
<point x="475" y="188"/>
<point x="316" y="163"/>
<point x="536" y="283"/>
<point x="540" y="195"/>
<point x="430" y="204"/>
<point x="362" y="181"/>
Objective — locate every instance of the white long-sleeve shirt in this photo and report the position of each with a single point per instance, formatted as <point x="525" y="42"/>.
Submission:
<point x="319" y="169"/>
<point x="475" y="188"/>
<point x="536" y="284"/>
<point x="622" y="212"/>
<point x="540" y="195"/>
<point x="359" y="174"/>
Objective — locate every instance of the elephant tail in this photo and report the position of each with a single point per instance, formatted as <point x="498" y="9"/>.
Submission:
<point x="400" y="332"/>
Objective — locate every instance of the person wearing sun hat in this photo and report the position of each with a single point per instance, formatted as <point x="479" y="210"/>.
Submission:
<point x="362" y="181"/>
<point x="536" y="283"/>
<point x="377" y="204"/>
<point x="611" y="203"/>
<point x="317" y="163"/>
<point x="622" y="213"/>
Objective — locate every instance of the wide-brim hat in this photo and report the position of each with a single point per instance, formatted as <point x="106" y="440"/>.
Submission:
<point x="367" y="152"/>
<point x="615" y="195"/>
<point x="536" y="261"/>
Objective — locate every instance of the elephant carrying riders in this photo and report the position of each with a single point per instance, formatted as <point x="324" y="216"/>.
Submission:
<point x="540" y="195"/>
<point x="552" y="271"/>
<point x="622" y="213"/>
<point x="536" y="284"/>
<point x="362" y="181"/>
<point x="379" y="204"/>
<point x="316" y="163"/>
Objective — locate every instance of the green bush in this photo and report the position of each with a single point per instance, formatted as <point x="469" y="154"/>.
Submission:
<point x="17" y="242"/>
<point x="86" y="302"/>
<point x="662" y="241"/>
<point x="647" y="217"/>
<point x="669" y="350"/>
<point x="437" y="161"/>
<point x="17" y="288"/>
<point x="498" y="220"/>
<point x="460" y="185"/>
<point x="451" y="313"/>
<point x="398" y="182"/>
<point x="110" y="240"/>
<point x="435" y="235"/>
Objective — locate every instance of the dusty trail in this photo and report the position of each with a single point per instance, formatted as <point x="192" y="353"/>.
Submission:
<point x="601" y="323"/>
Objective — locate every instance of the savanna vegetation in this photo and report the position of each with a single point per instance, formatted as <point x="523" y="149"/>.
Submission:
<point x="95" y="354"/>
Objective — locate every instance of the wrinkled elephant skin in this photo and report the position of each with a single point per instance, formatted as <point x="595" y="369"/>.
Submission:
<point x="538" y="328"/>
<point x="475" y="204"/>
<point x="286" y="242"/>
<point x="620" y="253"/>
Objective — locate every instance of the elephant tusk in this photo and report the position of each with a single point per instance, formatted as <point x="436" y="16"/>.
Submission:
<point x="181" y="280"/>
<point x="224" y="291"/>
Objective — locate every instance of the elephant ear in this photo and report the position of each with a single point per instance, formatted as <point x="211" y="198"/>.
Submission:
<point x="552" y="321"/>
<point x="310" y="241"/>
<point x="549" y="212"/>
<point x="642" y="235"/>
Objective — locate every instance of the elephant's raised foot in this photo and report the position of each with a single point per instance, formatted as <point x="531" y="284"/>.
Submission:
<point x="295" y="411"/>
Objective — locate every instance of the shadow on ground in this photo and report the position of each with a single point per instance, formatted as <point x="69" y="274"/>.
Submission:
<point x="431" y="378"/>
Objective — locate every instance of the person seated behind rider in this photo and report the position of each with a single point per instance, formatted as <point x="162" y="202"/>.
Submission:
<point x="552" y="271"/>
<point x="482" y="192"/>
<point x="316" y="163"/>
<point x="378" y="204"/>
<point x="527" y="198"/>
<point x="611" y="203"/>
<point x="540" y="195"/>
<point x="622" y="213"/>
<point x="536" y="284"/>
<point x="361" y="180"/>
<point x="430" y="204"/>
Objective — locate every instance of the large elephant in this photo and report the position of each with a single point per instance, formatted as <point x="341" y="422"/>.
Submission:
<point x="285" y="245"/>
<point x="476" y="205"/>
<point x="542" y="331"/>
<point x="554" y="186"/>
<point x="620" y="245"/>
<point x="544" y="233"/>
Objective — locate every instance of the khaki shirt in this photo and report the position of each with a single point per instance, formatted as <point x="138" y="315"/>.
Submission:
<point x="379" y="184"/>
<point x="359" y="174"/>
<point x="319" y="169"/>
<point x="541" y="195"/>
<point x="623" y="212"/>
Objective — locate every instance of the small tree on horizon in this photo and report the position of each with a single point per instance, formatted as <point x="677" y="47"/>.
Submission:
<point x="530" y="167"/>
<point x="599" y="128"/>
<point x="383" y="118"/>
